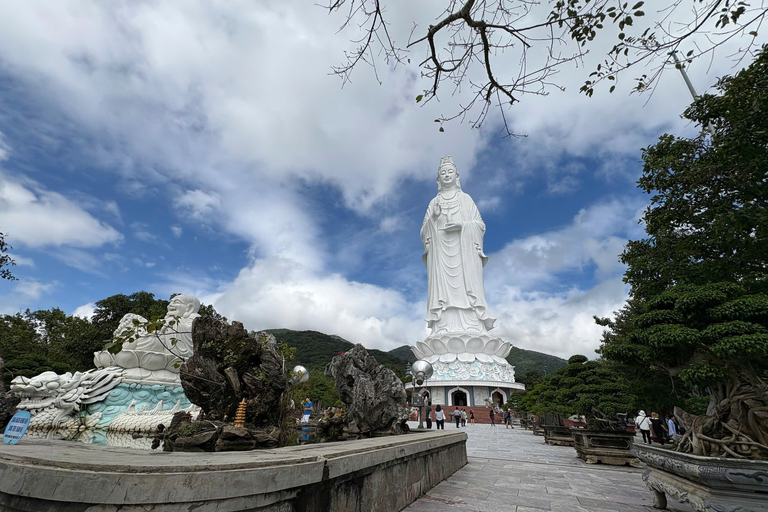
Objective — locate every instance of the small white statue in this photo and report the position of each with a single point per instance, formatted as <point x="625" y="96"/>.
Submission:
<point x="160" y="351"/>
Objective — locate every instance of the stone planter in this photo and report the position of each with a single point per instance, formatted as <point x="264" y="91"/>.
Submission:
<point x="557" y="436"/>
<point x="707" y="483"/>
<point x="607" y="447"/>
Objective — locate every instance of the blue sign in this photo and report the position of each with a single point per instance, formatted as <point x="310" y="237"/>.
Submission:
<point x="16" y="427"/>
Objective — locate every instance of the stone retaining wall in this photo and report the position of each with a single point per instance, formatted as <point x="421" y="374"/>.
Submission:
<point x="379" y="474"/>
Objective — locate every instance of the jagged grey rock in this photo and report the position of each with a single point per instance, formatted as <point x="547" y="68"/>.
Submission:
<point x="230" y="364"/>
<point x="375" y="397"/>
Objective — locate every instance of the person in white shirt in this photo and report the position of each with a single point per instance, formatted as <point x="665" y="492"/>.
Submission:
<point x="643" y="422"/>
<point x="440" y="417"/>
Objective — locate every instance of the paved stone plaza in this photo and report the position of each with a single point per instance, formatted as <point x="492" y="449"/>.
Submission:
<point x="514" y="471"/>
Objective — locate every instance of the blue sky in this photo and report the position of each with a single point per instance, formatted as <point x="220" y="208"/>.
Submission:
<point x="205" y="149"/>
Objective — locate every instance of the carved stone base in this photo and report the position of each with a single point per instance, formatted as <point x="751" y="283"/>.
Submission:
<point x="557" y="435"/>
<point x="613" y="448"/>
<point x="708" y="483"/>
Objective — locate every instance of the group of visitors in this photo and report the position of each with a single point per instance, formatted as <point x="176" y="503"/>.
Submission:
<point x="654" y="427"/>
<point x="460" y="416"/>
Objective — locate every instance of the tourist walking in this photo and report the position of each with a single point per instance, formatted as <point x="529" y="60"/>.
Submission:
<point x="658" y="427"/>
<point x="439" y="418"/>
<point x="457" y="417"/>
<point x="308" y="406"/>
<point x="471" y="417"/>
<point x="643" y="422"/>
<point x="428" y="414"/>
<point x="493" y="423"/>
<point x="506" y="418"/>
<point x="463" y="417"/>
<point x="672" y="428"/>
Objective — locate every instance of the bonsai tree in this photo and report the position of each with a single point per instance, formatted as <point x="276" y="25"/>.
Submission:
<point x="587" y="388"/>
<point x="698" y="305"/>
<point x="714" y="337"/>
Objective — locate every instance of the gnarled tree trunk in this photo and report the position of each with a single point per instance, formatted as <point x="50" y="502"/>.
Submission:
<point x="736" y="423"/>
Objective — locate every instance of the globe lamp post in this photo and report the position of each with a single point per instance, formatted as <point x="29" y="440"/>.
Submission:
<point x="421" y="372"/>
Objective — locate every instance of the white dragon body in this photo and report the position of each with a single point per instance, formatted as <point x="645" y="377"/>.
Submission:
<point x="58" y="405"/>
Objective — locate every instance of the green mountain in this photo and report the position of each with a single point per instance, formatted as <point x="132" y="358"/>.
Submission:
<point x="314" y="350"/>
<point x="526" y="361"/>
<point x="403" y="353"/>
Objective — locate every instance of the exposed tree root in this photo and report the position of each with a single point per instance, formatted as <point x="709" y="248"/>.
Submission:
<point x="736" y="426"/>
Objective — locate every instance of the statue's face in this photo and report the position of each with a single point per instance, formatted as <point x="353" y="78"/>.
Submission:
<point x="447" y="176"/>
<point x="177" y="307"/>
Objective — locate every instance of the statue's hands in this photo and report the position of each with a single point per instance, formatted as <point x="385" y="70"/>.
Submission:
<point x="437" y="211"/>
<point x="452" y="226"/>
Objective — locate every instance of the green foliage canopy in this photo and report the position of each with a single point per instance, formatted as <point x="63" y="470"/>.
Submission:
<point x="579" y="388"/>
<point x="708" y="217"/>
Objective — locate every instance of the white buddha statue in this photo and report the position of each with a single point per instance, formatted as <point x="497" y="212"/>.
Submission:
<point x="452" y="234"/>
<point x="153" y="355"/>
<point x="457" y="313"/>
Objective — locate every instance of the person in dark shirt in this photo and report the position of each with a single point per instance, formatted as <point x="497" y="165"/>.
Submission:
<point x="658" y="427"/>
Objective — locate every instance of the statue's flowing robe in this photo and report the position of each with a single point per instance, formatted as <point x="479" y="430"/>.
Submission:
<point x="455" y="261"/>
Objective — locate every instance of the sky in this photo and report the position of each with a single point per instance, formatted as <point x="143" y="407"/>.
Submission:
<point x="207" y="149"/>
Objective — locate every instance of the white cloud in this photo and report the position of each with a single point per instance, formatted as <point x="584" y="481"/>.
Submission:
<point x="21" y="260"/>
<point x="35" y="217"/>
<point x="85" y="311"/>
<point x="391" y="224"/>
<point x="489" y="204"/>
<point x="197" y="204"/>
<point x="560" y="324"/>
<point x="5" y="149"/>
<point x="24" y="294"/>
<point x="228" y="110"/>
<point x="82" y="260"/>
<point x="278" y="293"/>
<point x="596" y="237"/>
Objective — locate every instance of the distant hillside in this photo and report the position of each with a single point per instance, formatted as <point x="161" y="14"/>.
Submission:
<point x="525" y="361"/>
<point x="315" y="350"/>
<point x="403" y="353"/>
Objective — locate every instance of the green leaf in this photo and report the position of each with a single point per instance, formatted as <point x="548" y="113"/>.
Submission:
<point x="419" y="98"/>
<point x="442" y="129"/>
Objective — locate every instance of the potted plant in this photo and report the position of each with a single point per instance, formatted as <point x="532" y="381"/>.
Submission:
<point x="699" y="295"/>
<point x="594" y="390"/>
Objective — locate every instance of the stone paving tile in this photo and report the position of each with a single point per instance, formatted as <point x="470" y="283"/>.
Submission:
<point x="515" y="471"/>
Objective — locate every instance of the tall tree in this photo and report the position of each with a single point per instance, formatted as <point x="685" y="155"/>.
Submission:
<point x="699" y="291"/>
<point x="708" y="217"/>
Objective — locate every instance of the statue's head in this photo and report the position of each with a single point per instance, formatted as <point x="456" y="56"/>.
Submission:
<point x="127" y="325"/>
<point x="447" y="174"/>
<point x="184" y="306"/>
